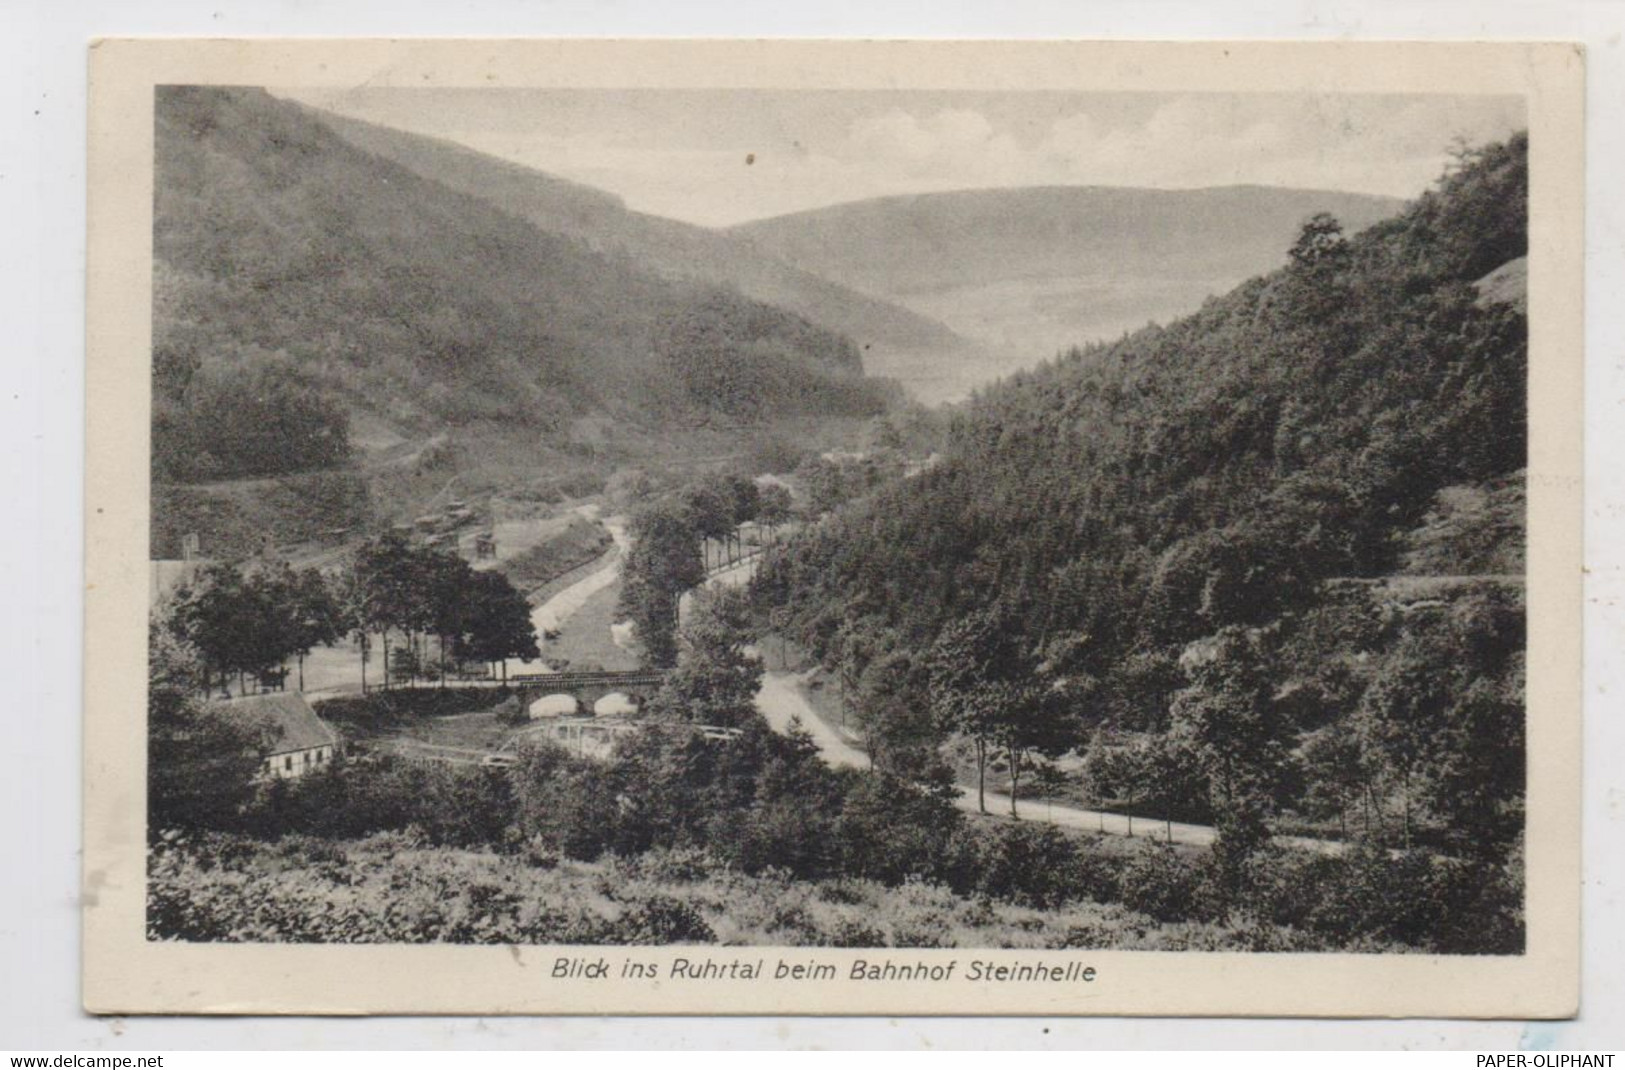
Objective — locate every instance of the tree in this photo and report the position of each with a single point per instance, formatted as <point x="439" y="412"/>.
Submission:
<point x="1335" y="770"/>
<point x="1139" y="688"/>
<point x="899" y="732"/>
<point x="746" y="501"/>
<point x="450" y="586"/>
<point x="1398" y="721"/>
<point x="242" y="623"/>
<point x="708" y="507"/>
<point x="964" y="699"/>
<point x="1478" y="783"/>
<point x="773" y="507"/>
<point x="1228" y="718"/>
<point x="201" y="762"/>
<point x="314" y="614"/>
<point x="1320" y="246"/>
<point x="664" y="561"/>
<point x="1173" y="780"/>
<point x="495" y="622"/>
<point x="986" y="685"/>
<point x="211" y="617"/>
<point x="716" y="677"/>
<point x="387" y="590"/>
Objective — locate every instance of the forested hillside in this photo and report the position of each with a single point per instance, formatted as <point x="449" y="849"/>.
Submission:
<point x="1262" y="566"/>
<point x="885" y="332"/>
<point x="301" y="284"/>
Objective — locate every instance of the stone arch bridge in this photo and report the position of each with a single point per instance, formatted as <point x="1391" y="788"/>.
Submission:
<point x="587" y="688"/>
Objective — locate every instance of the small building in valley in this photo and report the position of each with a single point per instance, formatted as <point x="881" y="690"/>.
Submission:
<point x="302" y="741"/>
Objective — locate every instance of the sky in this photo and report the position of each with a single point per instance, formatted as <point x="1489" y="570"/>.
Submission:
<point x="720" y="157"/>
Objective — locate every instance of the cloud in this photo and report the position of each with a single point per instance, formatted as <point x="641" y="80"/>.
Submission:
<point x="956" y="142"/>
<point x="685" y="158"/>
<point x="1360" y="144"/>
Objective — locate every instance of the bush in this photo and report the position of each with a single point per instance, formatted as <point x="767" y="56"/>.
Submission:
<point x="397" y="704"/>
<point x="852" y="932"/>
<point x="1159" y="882"/>
<point x="661" y="919"/>
<point x="1034" y="865"/>
<point x="679" y="865"/>
<point x="890" y="830"/>
<point x="511" y="712"/>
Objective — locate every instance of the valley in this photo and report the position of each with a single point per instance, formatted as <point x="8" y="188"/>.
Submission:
<point x="1185" y="527"/>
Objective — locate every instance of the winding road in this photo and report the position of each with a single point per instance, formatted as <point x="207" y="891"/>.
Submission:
<point x="781" y="701"/>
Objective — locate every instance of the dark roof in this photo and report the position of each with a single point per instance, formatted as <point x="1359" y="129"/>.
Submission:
<point x="298" y="726"/>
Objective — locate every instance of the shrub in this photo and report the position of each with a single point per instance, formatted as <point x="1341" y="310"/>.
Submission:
<point x="679" y="865"/>
<point x="1034" y="865"/>
<point x="511" y="712"/>
<point x="661" y="919"/>
<point x="842" y="890"/>
<point x="889" y="829"/>
<point x="1160" y="883"/>
<point x="853" y="932"/>
<point x="378" y="708"/>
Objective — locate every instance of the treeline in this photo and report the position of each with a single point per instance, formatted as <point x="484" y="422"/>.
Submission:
<point x="759" y="803"/>
<point x="250" y="620"/>
<point x="1177" y="552"/>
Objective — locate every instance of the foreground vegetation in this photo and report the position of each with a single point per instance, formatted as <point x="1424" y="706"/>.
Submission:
<point x="387" y="852"/>
<point x="396" y="888"/>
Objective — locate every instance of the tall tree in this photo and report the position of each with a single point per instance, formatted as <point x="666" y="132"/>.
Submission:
<point x="1230" y="721"/>
<point x="496" y="622"/>
<point x="708" y="508"/>
<point x="387" y="590"/>
<point x="986" y="685"/>
<point x="664" y="561"/>
<point x="773" y="507"/>
<point x="717" y="676"/>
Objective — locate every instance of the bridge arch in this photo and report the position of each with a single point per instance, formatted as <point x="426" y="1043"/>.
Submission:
<point x="557" y="704"/>
<point x="615" y="704"/>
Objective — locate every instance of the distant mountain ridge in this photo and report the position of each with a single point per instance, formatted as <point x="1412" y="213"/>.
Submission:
<point x="1032" y="271"/>
<point x="916" y="242"/>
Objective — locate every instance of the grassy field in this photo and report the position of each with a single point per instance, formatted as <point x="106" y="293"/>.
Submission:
<point x="585" y="641"/>
<point x="556" y="546"/>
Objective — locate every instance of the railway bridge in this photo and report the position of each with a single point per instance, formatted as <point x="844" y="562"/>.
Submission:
<point x="587" y="688"/>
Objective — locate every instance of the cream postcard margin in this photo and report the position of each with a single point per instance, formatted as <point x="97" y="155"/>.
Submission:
<point x="125" y="973"/>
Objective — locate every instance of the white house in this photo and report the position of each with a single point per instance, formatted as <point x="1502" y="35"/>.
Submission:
<point x="303" y="741"/>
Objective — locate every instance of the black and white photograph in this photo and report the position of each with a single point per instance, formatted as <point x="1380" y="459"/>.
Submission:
<point x="771" y="523"/>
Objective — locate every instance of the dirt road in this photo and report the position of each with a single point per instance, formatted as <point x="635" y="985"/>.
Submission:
<point x="780" y="700"/>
